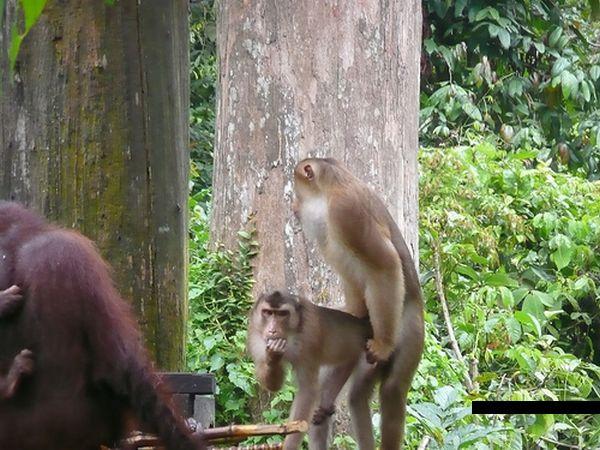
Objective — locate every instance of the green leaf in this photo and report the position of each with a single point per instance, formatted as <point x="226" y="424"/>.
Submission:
<point x="569" y="84"/>
<point x="529" y="320"/>
<point x="554" y="36"/>
<point x="595" y="7"/>
<point x="540" y="47"/>
<point x="459" y="7"/>
<point x="559" y="65"/>
<point x="564" y="252"/>
<point x="533" y="305"/>
<point x="508" y="301"/>
<point x="585" y="91"/>
<point x="513" y="327"/>
<point x="500" y="279"/>
<point x="472" y="111"/>
<point x="32" y="9"/>
<point x="504" y="38"/>
<point x="595" y="72"/>
<point x="545" y="299"/>
<point x="542" y="424"/>
<point x="15" y="44"/>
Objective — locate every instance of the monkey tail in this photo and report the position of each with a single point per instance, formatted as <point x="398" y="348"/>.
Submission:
<point x="154" y="407"/>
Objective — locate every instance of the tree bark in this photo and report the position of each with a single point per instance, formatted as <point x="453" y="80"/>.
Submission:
<point x="94" y="134"/>
<point x="327" y="78"/>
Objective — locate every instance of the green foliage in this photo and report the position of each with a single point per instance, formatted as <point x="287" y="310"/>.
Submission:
<point x="31" y="9"/>
<point x="519" y="245"/>
<point x="528" y="71"/>
<point x="220" y="297"/>
<point x="203" y="79"/>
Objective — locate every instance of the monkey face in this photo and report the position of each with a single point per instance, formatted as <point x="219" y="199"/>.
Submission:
<point x="278" y="315"/>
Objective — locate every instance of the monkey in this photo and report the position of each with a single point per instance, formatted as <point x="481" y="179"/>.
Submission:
<point x="92" y="372"/>
<point x="360" y="240"/>
<point x="287" y="329"/>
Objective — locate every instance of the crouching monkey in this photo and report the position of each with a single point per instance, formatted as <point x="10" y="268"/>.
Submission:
<point x="288" y="329"/>
<point x="359" y="239"/>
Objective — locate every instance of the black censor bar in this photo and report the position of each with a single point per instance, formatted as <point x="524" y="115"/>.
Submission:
<point x="536" y="407"/>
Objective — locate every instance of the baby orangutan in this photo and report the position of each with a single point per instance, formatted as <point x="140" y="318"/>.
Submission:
<point x="285" y="328"/>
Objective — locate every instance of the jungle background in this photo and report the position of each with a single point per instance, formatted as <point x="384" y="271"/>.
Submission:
<point x="509" y="227"/>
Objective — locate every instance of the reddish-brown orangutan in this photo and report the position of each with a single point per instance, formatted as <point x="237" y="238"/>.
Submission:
<point x="91" y="371"/>
<point x="360" y="240"/>
<point x="284" y="329"/>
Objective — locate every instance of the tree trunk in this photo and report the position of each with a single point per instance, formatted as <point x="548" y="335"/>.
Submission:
<point x="319" y="78"/>
<point x="94" y="134"/>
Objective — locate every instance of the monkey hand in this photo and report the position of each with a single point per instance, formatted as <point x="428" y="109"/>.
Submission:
<point x="10" y="300"/>
<point x="276" y="348"/>
<point x="378" y="351"/>
<point x="24" y="362"/>
<point x="321" y="414"/>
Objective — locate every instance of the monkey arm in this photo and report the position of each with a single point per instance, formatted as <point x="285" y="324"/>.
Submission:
<point x="11" y="300"/>
<point x="270" y="373"/>
<point x="21" y="366"/>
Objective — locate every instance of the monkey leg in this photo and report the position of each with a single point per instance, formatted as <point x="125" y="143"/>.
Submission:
<point x="359" y="397"/>
<point x="332" y="381"/>
<point x="385" y="298"/>
<point x="393" y="393"/>
<point x="354" y="298"/>
<point x="308" y="389"/>
<point x="21" y="366"/>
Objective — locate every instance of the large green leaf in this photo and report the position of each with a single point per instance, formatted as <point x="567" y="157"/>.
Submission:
<point x="504" y="38"/>
<point x="32" y="9"/>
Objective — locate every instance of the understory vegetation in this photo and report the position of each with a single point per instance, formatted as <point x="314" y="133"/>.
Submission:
<point x="509" y="229"/>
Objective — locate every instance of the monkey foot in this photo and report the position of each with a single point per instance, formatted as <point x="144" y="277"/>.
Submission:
<point x="378" y="352"/>
<point x="321" y="414"/>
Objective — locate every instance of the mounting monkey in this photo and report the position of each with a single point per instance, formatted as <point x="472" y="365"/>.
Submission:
<point x="288" y="329"/>
<point x="361" y="241"/>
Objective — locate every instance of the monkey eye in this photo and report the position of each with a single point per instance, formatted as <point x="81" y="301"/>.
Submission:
<point x="284" y="313"/>
<point x="267" y="312"/>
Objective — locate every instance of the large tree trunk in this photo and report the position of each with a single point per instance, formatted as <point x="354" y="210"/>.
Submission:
<point x="323" y="78"/>
<point x="94" y="134"/>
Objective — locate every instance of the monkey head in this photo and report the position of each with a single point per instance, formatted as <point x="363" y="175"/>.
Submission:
<point x="312" y="176"/>
<point x="16" y="219"/>
<point x="278" y="315"/>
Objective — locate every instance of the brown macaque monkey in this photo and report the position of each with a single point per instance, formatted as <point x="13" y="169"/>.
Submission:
<point x="360" y="240"/>
<point x="284" y="329"/>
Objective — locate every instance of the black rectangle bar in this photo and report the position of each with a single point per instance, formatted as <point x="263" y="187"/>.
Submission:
<point x="536" y="407"/>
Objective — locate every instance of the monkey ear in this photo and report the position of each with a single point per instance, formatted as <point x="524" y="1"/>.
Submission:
<point x="308" y="172"/>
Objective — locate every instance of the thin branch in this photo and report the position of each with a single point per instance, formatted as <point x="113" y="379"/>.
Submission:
<point x="424" y="443"/>
<point x="561" y="444"/>
<point x="442" y="297"/>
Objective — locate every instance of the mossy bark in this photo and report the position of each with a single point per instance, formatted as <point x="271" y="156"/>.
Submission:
<point x="94" y="134"/>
